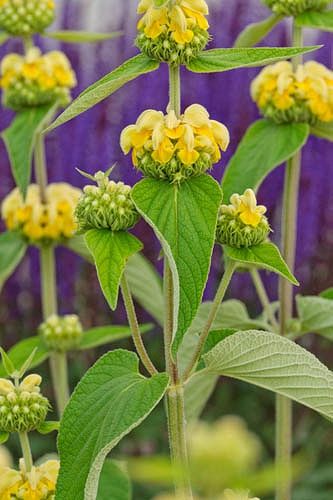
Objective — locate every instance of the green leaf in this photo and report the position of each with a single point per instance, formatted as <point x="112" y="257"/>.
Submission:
<point x="277" y="364"/>
<point x="111" y="250"/>
<point x="7" y="363"/>
<point x="266" y="256"/>
<point x="47" y="427"/>
<point x="97" y="92"/>
<point x="255" y="32"/>
<point x="265" y="146"/>
<point x="20" y="138"/>
<point x="102" y="335"/>
<point x="114" y="483"/>
<point x="4" y="37"/>
<point x="78" y="245"/>
<point x="146" y="285"/>
<point x="317" y="20"/>
<point x="316" y="315"/>
<point x="21" y="351"/>
<point x="184" y="219"/>
<point x="323" y="131"/>
<point x="112" y="399"/>
<point x="219" y="60"/>
<point x="81" y="36"/>
<point x="4" y="436"/>
<point x="12" y="251"/>
<point x="27" y="363"/>
<point x="327" y="294"/>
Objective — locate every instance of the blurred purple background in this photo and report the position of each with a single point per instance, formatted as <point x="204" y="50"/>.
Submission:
<point x="91" y="142"/>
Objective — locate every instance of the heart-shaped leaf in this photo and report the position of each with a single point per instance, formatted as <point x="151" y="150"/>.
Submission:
<point x="265" y="256"/>
<point x="184" y="219"/>
<point x="265" y="146"/>
<point x="12" y="251"/>
<point x="111" y="250"/>
<point x="112" y="399"/>
<point x="316" y="315"/>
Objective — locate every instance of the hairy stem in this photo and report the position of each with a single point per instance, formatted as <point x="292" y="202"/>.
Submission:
<point x="263" y="297"/>
<point x="171" y="366"/>
<point x="175" y="89"/>
<point x="289" y="241"/>
<point x="26" y="450"/>
<point x="135" y="328"/>
<point x="228" y="273"/>
<point x="40" y="166"/>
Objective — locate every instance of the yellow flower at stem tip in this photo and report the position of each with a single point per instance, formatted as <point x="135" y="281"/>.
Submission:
<point x="167" y="147"/>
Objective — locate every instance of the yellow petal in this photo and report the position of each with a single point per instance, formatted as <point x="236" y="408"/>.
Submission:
<point x="250" y="218"/>
<point x="149" y="119"/>
<point x="196" y="5"/>
<point x="188" y="157"/>
<point x="221" y="134"/>
<point x="183" y="37"/>
<point x="126" y="138"/>
<point x="197" y="116"/>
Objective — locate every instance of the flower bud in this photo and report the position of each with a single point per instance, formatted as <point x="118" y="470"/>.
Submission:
<point x="42" y="221"/>
<point x="174" y="149"/>
<point x="288" y="96"/>
<point x="295" y="7"/>
<point x="6" y="387"/>
<point x="242" y="223"/>
<point x="26" y="17"/>
<point x="61" y="333"/>
<point x="175" y="32"/>
<point x="23" y="409"/>
<point x="34" y="79"/>
<point x="106" y="206"/>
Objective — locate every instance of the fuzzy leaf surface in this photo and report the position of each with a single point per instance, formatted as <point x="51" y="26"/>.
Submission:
<point x="103" y="88"/>
<point x="184" y="219"/>
<point x="12" y="251"/>
<point x="111" y="251"/>
<point x="265" y="256"/>
<point x="114" y="483"/>
<point x="316" y="315"/>
<point x="277" y="364"/>
<point x="219" y="60"/>
<point x="20" y="138"/>
<point x="265" y="146"/>
<point x="112" y="399"/>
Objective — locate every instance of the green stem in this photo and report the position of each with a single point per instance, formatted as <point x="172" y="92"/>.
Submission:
<point x="26" y="450"/>
<point x="135" y="328"/>
<point x="263" y="297"/>
<point x="175" y="89"/>
<point x="59" y="371"/>
<point x="171" y="366"/>
<point x="40" y="166"/>
<point x="28" y="42"/>
<point x="228" y="273"/>
<point x="289" y="241"/>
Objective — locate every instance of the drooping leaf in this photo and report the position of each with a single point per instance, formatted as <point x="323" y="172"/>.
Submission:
<point x="277" y="364"/>
<point x="81" y="36"/>
<point x="111" y="250"/>
<point x="78" y="245"/>
<point x="317" y="20"/>
<point x="12" y="251"/>
<point x="47" y="427"/>
<point x="4" y="436"/>
<point x="184" y="219"/>
<point x="102" y="335"/>
<point x="323" y="131"/>
<point x="219" y="60"/>
<point x="20" y="138"/>
<point x="255" y="32"/>
<point x="98" y="91"/>
<point x="112" y="399"/>
<point x="22" y="350"/>
<point x="316" y="315"/>
<point x="265" y="146"/>
<point x="114" y="482"/>
<point x="327" y="294"/>
<point x="146" y="285"/>
<point x="9" y="367"/>
<point x="265" y="256"/>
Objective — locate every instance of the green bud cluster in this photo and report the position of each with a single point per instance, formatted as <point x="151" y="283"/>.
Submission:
<point x="174" y="170"/>
<point x="233" y="232"/>
<point x="27" y="94"/>
<point x="22" y="407"/>
<point x="298" y="113"/>
<point x="61" y="333"/>
<point x="295" y="7"/>
<point x="26" y="17"/>
<point x="164" y="48"/>
<point x="106" y="206"/>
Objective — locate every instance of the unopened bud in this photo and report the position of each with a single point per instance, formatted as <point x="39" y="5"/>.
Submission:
<point x="61" y="333"/>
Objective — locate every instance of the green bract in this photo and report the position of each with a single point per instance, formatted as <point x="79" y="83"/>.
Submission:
<point x="22" y="17"/>
<point x="61" y="333"/>
<point x="233" y="232"/>
<point x="295" y="7"/>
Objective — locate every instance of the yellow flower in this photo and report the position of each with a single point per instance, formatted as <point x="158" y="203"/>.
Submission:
<point x="246" y="208"/>
<point x="304" y="95"/>
<point x="173" y="143"/>
<point x="38" y="484"/>
<point x="38" y="221"/>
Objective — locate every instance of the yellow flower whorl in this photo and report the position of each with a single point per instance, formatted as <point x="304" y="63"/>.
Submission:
<point x="175" y="32"/>
<point x="304" y="95"/>
<point x="295" y="7"/>
<point x="40" y="222"/>
<point x="26" y="17"/>
<point x="165" y="147"/>
<point x="39" y="484"/>
<point x="36" y="79"/>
